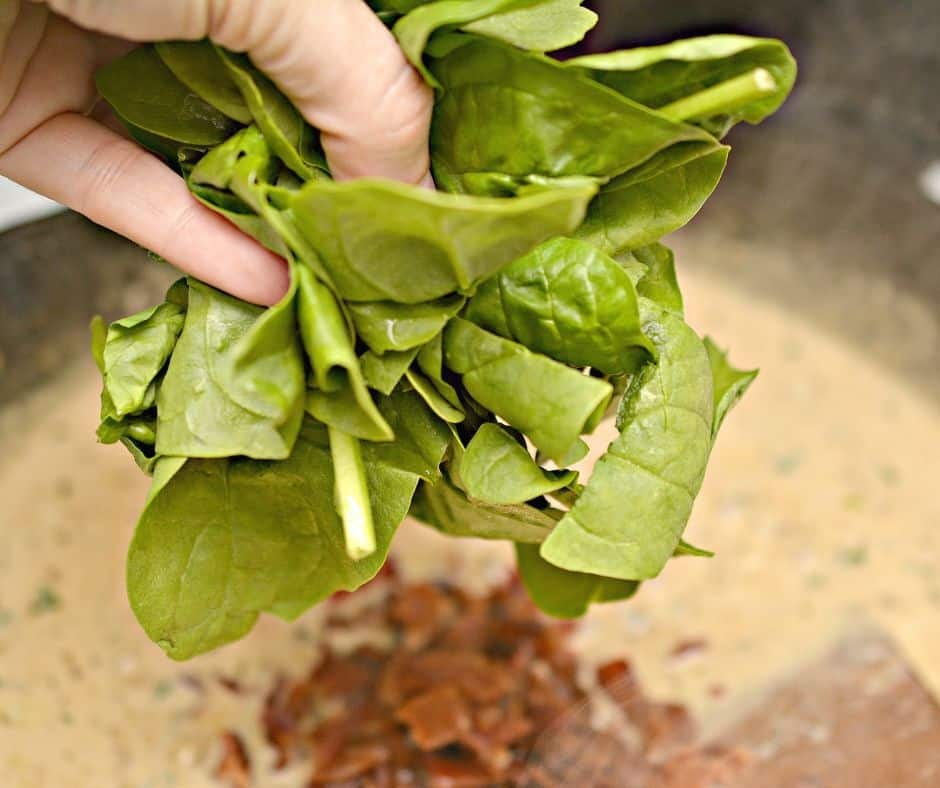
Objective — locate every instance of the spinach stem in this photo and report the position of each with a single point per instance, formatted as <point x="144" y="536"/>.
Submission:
<point x="352" y="494"/>
<point x="722" y="98"/>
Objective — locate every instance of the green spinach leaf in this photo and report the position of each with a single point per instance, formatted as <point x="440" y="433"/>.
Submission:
<point x="444" y="507"/>
<point x="650" y="201"/>
<point x="385" y="325"/>
<point x="547" y="401"/>
<point x="562" y="593"/>
<point x="660" y="75"/>
<point x="381" y="240"/>
<point x="569" y="301"/>
<point x="630" y="517"/>
<point x="729" y="383"/>
<point x="224" y="540"/>
<point x="496" y="468"/>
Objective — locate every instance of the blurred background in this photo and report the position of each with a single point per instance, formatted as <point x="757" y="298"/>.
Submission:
<point x="817" y="259"/>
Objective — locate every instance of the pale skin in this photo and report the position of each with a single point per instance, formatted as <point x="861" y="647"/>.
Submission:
<point x="339" y="65"/>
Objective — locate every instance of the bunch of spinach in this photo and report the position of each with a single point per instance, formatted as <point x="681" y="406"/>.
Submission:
<point x="439" y="353"/>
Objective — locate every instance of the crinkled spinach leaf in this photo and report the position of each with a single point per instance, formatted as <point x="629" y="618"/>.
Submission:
<point x="520" y="114"/>
<point x="569" y="301"/>
<point x="630" y="517"/>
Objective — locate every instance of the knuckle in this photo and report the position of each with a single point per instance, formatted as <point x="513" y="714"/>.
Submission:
<point x="103" y="169"/>
<point x="404" y="110"/>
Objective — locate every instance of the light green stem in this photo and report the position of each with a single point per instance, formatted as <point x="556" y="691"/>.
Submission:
<point x="722" y="98"/>
<point x="352" y="495"/>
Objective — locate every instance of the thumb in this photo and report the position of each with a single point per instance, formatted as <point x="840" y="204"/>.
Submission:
<point x="333" y="58"/>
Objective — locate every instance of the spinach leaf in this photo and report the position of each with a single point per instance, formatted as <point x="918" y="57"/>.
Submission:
<point x="431" y="363"/>
<point x="382" y="240"/>
<point x="444" y="409"/>
<point x="541" y="28"/>
<point x="415" y="28"/>
<point x="630" y="517"/>
<point x="569" y="301"/>
<point x="562" y="593"/>
<point x="421" y="439"/>
<point x="134" y="352"/>
<point x="385" y="325"/>
<point x="684" y="548"/>
<point x="646" y="203"/>
<point x="383" y="372"/>
<point x="224" y="540"/>
<point x="146" y="95"/>
<point x="205" y="403"/>
<point x="729" y="383"/>
<point x="507" y="111"/>
<point x="281" y="124"/>
<point x="341" y="398"/>
<point x="660" y="75"/>
<point x="547" y="401"/>
<point x="659" y="284"/>
<point x="444" y="507"/>
<point x="496" y="468"/>
<point x="198" y="66"/>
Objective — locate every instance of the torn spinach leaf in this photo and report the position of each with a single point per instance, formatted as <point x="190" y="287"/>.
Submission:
<point x="630" y="517"/>
<point x="562" y="593"/>
<point x="729" y="383"/>
<point x="659" y="283"/>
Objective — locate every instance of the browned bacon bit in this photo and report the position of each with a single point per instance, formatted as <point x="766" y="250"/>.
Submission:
<point x="421" y="611"/>
<point x="234" y="769"/>
<point x="476" y="692"/>
<point x="436" y="718"/>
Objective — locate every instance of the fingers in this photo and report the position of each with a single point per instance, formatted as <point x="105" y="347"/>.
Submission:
<point x="336" y="61"/>
<point x="113" y="182"/>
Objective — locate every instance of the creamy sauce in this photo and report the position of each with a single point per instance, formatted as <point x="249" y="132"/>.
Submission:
<point x="820" y="502"/>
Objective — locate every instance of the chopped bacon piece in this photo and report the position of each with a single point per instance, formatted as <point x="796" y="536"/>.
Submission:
<point x="436" y="718"/>
<point x="234" y="769"/>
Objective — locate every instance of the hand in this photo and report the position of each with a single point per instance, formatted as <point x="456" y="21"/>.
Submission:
<point x="333" y="58"/>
